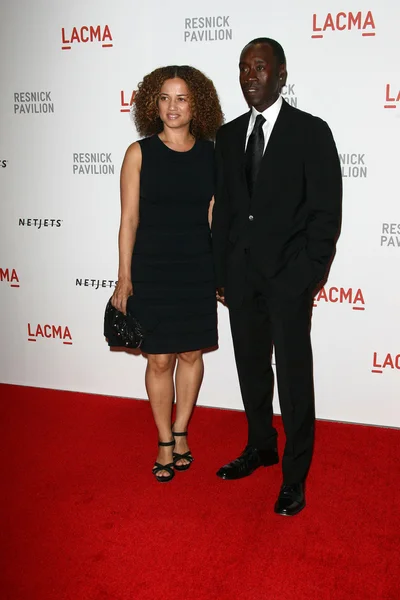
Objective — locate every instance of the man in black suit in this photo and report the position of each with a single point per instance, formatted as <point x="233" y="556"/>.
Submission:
<point x="275" y="224"/>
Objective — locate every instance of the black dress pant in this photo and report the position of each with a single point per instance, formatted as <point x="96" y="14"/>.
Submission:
<point x="271" y="318"/>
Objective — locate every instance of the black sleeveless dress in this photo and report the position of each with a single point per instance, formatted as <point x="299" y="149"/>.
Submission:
<point x="172" y="264"/>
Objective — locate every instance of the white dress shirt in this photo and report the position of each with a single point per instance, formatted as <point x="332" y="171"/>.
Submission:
<point x="270" y="115"/>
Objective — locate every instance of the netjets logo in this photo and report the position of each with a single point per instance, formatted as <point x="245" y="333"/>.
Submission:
<point x="39" y="223"/>
<point x="95" y="283"/>
<point x="9" y="276"/>
<point x="92" y="34"/>
<point x="289" y="94"/>
<point x="49" y="332"/>
<point x="363" y="22"/>
<point x="127" y="99"/>
<point x="392" y="96"/>
<point x="385" y="362"/>
<point x="336" y="295"/>
<point x="3" y="163"/>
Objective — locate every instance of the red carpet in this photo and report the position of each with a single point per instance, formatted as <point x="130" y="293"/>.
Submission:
<point x="84" y="519"/>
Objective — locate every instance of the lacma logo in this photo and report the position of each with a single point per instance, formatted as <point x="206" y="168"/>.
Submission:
<point x="86" y="34"/>
<point x="392" y="96"/>
<point x="10" y="276"/>
<point x="49" y="332"/>
<point x="127" y="100"/>
<point x="381" y="362"/>
<point x="335" y="295"/>
<point x="363" y="22"/>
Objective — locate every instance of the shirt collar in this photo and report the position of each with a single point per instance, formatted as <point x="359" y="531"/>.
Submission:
<point x="270" y="114"/>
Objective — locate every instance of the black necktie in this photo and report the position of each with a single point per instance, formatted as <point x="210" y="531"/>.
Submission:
<point x="254" y="153"/>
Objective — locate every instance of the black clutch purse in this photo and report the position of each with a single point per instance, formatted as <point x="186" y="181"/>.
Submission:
<point x="122" y="330"/>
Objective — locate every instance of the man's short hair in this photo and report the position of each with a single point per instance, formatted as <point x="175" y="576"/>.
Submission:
<point x="276" y="47"/>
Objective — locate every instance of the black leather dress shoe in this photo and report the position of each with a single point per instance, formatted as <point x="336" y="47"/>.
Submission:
<point x="248" y="462"/>
<point x="291" y="500"/>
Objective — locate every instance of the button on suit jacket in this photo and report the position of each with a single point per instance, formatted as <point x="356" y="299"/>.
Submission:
<point x="296" y="205"/>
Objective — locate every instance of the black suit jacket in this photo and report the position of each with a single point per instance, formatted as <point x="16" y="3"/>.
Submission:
<point x="291" y="223"/>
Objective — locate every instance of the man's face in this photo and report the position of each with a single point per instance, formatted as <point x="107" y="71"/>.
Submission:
<point x="261" y="78"/>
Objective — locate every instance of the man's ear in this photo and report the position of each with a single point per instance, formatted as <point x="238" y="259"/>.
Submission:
<point x="282" y="76"/>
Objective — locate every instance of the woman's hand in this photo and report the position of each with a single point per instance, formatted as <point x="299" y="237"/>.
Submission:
<point x="221" y="295"/>
<point x="123" y="290"/>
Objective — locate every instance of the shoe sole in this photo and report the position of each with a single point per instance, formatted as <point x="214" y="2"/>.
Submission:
<point x="239" y="477"/>
<point x="223" y="476"/>
<point x="292" y="514"/>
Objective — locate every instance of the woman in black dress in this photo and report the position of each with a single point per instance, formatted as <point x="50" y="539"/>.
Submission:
<point x="165" y="258"/>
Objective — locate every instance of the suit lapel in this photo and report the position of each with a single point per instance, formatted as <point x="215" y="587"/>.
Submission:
<point x="277" y="138"/>
<point x="240" y="137"/>
<point x="238" y="148"/>
<point x="278" y="134"/>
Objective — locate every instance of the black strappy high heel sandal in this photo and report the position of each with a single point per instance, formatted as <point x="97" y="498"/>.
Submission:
<point x="169" y="467"/>
<point x="185" y="456"/>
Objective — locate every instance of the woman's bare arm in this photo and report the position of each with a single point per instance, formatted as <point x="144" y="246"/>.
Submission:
<point x="129" y="186"/>
<point x="210" y="211"/>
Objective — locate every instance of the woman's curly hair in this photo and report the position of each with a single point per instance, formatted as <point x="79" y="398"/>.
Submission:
<point x="206" y="109"/>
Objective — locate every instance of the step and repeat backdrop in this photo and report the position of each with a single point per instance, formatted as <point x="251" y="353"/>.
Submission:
<point x="69" y="71"/>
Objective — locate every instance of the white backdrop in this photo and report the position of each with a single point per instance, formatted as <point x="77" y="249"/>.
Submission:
<point x="60" y="216"/>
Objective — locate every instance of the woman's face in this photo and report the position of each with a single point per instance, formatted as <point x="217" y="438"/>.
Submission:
<point x="174" y="103"/>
